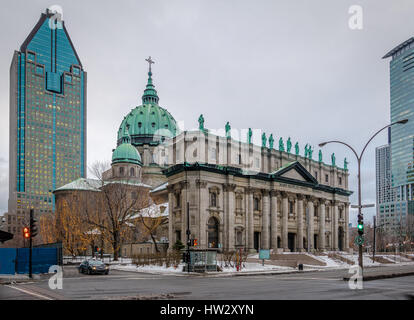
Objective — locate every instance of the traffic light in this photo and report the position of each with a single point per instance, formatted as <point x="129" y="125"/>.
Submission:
<point x="33" y="227"/>
<point x="195" y="243"/>
<point x="26" y="232"/>
<point x="360" y="227"/>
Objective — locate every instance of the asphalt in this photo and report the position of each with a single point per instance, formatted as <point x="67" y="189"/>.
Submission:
<point x="313" y="285"/>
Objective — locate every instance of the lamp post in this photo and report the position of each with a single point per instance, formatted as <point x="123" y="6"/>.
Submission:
<point x="359" y="157"/>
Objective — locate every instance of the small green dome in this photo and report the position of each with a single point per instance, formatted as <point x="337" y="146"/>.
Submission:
<point x="148" y="123"/>
<point x="126" y="152"/>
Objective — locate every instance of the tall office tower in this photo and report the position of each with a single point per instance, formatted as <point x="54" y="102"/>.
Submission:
<point x="402" y="136"/>
<point x="47" y="117"/>
<point x="389" y="211"/>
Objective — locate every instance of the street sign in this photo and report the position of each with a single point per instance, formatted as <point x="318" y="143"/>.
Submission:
<point x="363" y="206"/>
<point x="359" y="240"/>
<point x="264" y="254"/>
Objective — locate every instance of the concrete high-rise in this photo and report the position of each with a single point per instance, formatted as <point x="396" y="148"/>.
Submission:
<point x="47" y="117"/>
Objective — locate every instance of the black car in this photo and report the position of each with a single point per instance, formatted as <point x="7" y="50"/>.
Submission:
<point x="93" y="267"/>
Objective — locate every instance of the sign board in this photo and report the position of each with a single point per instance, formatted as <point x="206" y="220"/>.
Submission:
<point x="359" y="240"/>
<point x="264" y="254"/>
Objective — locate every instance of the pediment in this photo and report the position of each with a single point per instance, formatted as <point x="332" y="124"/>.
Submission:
<point x="294" y="171"/>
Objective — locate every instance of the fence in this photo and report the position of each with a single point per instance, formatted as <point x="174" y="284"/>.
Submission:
<point x="16" y="260"/>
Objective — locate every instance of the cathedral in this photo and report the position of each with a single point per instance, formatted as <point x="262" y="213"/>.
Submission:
<point x="232" y="194"/>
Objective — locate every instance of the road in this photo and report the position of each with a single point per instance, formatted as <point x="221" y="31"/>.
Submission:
<point x="319" y="285"/>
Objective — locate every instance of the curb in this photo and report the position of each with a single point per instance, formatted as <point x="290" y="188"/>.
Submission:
<point x="384" y="276"/>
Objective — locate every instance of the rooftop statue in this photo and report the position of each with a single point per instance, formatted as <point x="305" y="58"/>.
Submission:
<point x="297" y="148"/>
<point x="281" y="145"/>
<point x="310" y="151"/>
<point x="271" y="141"/>
<point x="306" y="151"/>
<point x="345" y="164"/>
<point x="228" y="128"/>
<point x="264" y="140"/>
<point x="333" y="159"/>
<point x="289" y="145"/>
<point x="320" y="155"/>
<point x="201" y="122"/>
<point x="250" y="136"/>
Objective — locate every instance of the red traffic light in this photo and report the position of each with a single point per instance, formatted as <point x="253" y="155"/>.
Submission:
<point x="195" y="243"/>
<point x="26" y="232"/>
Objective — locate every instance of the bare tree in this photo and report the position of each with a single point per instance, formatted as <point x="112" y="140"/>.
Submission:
<point x="118" y="200"/>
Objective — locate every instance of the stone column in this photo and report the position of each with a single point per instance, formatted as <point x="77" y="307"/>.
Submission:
<point x="250" y="227"/>
<point x="273" y="219"/>
<point x="335" y="226"/>
<point x="300" y="223"/>
<point x="285" y="214"/>
<point x="229" y="218"/>
<point x="171" y="219"/>
<point x="202" y="214"/>
<point x="346" y="244"/>
<point x="183" y="188"/>
<point x="265" y="219"/>
<point x="322" y="225"/>
<point x="310" y="223"/>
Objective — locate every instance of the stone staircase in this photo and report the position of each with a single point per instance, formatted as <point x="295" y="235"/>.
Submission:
<point x="381" y="260"/>
<point x="336" y="256"/>
<point x="295" y="259"/>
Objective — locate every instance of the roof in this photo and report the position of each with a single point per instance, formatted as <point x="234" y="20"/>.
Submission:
<point x="82" y="184"/>
<point x="160" y="187"/>
<point x="153" y="211"/>
<point x="399" y="47"/>
<point x="95" y="185"/>
<point x="126" y="152"/>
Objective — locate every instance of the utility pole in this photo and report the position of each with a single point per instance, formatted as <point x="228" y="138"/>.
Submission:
<point x="30" y="244"/>
<point x="374" y="245"/>
<point x="188" y="237"/>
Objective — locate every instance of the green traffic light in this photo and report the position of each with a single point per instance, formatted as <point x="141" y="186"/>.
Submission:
<point x="360" y="226"/>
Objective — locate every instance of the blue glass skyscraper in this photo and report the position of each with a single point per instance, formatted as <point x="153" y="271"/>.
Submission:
<point x="47" y="117"/>
<point x="402" y="136"/>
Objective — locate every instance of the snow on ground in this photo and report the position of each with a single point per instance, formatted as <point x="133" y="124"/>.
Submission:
<point x="249" y="267"/>
<point x="330" y="263"/>
<point x="365" y="259"/>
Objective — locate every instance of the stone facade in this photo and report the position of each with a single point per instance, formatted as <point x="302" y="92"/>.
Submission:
<point x="240" y="195"/>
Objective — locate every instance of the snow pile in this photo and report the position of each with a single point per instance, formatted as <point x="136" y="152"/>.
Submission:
<point x="149" y="269"/>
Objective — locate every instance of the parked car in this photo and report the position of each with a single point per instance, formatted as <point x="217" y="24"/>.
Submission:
<point x="93" y="267"/>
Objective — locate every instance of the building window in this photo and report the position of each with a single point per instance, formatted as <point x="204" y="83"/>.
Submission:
<point x="239" y="238"/>
<point x="240" y="159"/>
<point x="340" y="213"/>
<point x="256" y="206"/>
<point x="132" y="172"/>
<point x="177" y="200"/>
<point x="213" y="153"/>
<point x="121" y="171"/>
<point x="134" y="195"/>
<point x="316" y="175"/>
<point x="340" y="180"/>
<point x="213" y="199"/>
<point x="326" y="178"/>
<point x="291" y="204"/>
<point x="327" y="212"/>
<point x="239" y="205"/>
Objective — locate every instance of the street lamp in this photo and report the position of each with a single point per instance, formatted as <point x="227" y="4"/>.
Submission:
<point x="359" y="157"/>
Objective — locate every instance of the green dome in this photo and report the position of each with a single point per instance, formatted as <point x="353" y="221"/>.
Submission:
<point x="126" y="152"/>
<point x="148" y="123"/>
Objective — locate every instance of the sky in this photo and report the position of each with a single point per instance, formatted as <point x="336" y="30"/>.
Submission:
<point x="293" y="68"/>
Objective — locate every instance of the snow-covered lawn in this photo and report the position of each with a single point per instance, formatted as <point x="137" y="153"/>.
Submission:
<point x="249" y="267"/>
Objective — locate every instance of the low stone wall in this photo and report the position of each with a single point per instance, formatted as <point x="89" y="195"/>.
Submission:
<point x="296" y="258"/>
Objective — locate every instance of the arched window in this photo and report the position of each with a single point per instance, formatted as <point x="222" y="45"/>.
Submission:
<point x="132" y="172"/>
<point x="213" y="228"/>
<point x="121" y="171"/>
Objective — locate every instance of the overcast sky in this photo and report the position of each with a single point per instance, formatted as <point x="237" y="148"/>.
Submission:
<point x="293" y="68"/>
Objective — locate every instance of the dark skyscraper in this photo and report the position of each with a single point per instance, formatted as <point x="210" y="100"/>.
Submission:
<point x="47" y="117"/>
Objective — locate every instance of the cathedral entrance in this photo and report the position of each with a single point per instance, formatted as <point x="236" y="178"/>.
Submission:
<point x="257" y="241"/>
<point x="341" y="239"/>
<point x="213" y="232"/>
<point x="291" y="241"/>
